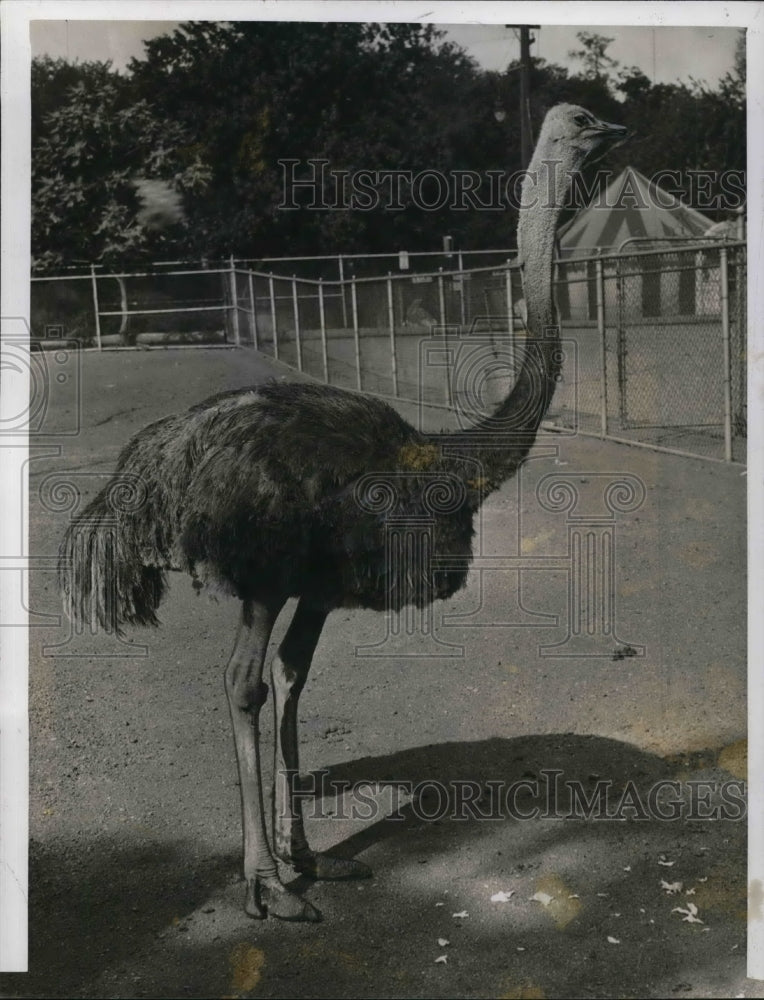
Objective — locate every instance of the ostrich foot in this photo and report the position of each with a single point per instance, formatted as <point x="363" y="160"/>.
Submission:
<point x="318" y="865"/>
<point x="272" y="899"/>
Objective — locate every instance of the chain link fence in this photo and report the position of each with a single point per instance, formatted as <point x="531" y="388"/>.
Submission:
<point x="653" y="342"/>
<point x="665" y="365"/>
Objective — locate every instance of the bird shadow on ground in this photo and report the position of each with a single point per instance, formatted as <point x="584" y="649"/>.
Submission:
<point x="119" y="919"/>
<point x="606" y="884"/>
<point x="96" y="906"/>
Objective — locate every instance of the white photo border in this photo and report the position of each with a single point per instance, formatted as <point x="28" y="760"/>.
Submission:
<point x="14" y="309"/>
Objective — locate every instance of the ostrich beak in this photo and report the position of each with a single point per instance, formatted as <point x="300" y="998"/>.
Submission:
<point x="611" y="131"/>
<point x="610" y="135"/>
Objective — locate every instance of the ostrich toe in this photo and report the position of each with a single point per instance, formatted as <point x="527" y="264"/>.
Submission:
<point x="273" y="899"/>
<point x="326" y="867"/>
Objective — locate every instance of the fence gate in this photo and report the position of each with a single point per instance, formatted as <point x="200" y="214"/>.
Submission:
<point x="680" y="346"/>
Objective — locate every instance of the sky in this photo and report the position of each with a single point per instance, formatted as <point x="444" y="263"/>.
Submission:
<point x="664" y="54"/>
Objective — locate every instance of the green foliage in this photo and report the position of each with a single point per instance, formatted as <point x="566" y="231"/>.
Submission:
<point x="361" y="96"/>
<point x="685" y="129"/>
<point x="593" y="55"/>
<point x="91" y="141"/>
<point x="212" y="108"/>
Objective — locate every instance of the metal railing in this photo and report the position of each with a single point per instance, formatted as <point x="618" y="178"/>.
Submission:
<point x="654" y="340"/>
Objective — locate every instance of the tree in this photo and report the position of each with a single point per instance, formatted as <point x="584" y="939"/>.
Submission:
<point x="91" y="143"/>
<point x="596" y="62"/>
<point x="696" y="132"/>
<point x="732" y="85"/>
<point x="361" y="96"/>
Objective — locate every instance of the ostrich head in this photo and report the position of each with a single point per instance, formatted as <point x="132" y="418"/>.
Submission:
<point x="570" y="137"/>
<point x="573" y="136"/>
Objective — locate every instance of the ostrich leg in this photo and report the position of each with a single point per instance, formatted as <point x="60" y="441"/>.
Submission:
<point x="289" y="671"/>
<point x="246" y="694"/>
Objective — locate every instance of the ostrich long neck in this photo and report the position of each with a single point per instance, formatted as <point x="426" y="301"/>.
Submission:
<point x="502" y="440"/>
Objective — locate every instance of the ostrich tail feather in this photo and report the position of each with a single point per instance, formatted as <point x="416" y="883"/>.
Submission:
<point x="103" y="580"/>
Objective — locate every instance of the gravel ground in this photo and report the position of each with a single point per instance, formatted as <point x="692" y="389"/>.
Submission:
<point x="135" y="849"/>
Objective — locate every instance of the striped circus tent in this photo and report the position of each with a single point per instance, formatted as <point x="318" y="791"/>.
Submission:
<point x="631" y="214"/>
<point x="630" y="208"/>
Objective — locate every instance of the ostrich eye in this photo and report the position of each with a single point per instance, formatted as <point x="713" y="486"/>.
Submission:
<point x="582" y="120"/>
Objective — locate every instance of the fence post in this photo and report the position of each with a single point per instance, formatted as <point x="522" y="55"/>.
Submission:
<point x="510" y="305"/>
<point x="96" y="308"/>
<point x="272" y="297"/>
<point x="235" y="304"/>
<point x="123" y="321"/>
<point x="342" y="289"/>
<point x="391" y="325"/>
<point x="600" y="281"/>
<point x="356" y="336"/>
<point x="738" y="331"/>
<point x="297" y="338"/>
<point x="725" y="305"/>
<point x="253" y="314"/>
<point x="322" y="318"/>
<point x="444" y="331"/>
<point x="462" y="311"/>
<point x="510" y="320"/>
<point x="621" y="356"/>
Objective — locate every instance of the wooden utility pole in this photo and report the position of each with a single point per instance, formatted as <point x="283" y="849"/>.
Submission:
<point x="526" y="133"/>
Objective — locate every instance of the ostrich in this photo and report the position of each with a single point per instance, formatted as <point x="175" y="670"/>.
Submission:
<point x="264" y="491"/>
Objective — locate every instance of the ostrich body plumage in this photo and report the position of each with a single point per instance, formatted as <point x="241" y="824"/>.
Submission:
<point x="237" y="493"/>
